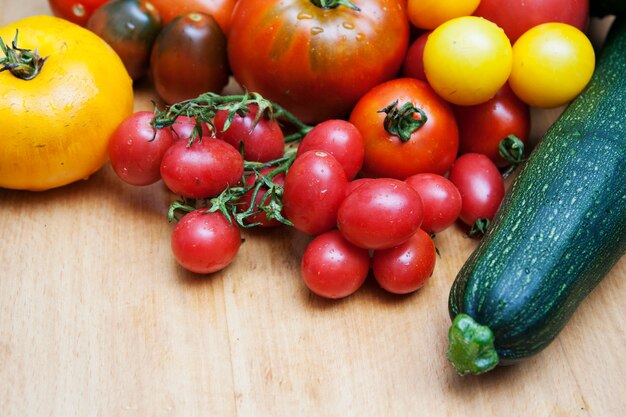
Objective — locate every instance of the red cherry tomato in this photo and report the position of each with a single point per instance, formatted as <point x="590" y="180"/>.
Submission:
<point x="202" y="170"/>
<point x="221" y="10"/>
<point x="262" y="142"/>
<point x="380" y="214"/>
<point x="481" y="187"/>
<point x="482" y="127"/>
<point x="332" y="267"/>
<point x="77" y="11"/>
<point x="315" y="185"/>
<point x="517" y="16"/>
<point x="260" y="217"/>
<point x="405" y="268"/>
<point x="339" y="138"/>
<point x="441" y="199"/>
<point x="397" y="144"/>
<point x="413" y="66"/>
<point x="354" y="184"/>
<point x="136" y="150"/>
<point x="183" y="127"/>
<point x="205" y="242"/>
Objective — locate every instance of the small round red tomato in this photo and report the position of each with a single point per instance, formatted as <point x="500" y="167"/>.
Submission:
<point x="202" y="170"/>
<point x="413" y="66"/>
<point x="481" y="187"/>
<point x="262" y="142"/>
<point x="482" y="127"/>
<point x="441" y="199"/>
<point x="136" y="150"/>
<point x="517" y="16"/>
<point x="332" y="267"/>
<point x="76" y="11"/>
<point x="205" y="242"/>
<point x="380" y="214"/>
<point x="184" y="126"/>
<point x="314" y="57"/>
<point x="221" y="10"/>
<point x="259" y="217"/>
<point x="315" y="186"/>
<point x="407" y="129"/>
<point x="339" y="138"/>
<point x="405" y="268"/>
<point x="354" y="184"/>
<point x="130" y="27"/>
<point x="189" y="58"/>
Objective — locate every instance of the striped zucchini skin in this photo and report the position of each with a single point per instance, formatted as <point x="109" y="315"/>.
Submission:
<point x="561" y="227"/>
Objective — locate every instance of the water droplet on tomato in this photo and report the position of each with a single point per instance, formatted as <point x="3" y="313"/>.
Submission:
<point x="316" y="30"/>
<point x="305" y="15"/>
<point x="78" y="10"/>
<point x="347" y="25"/>
<point x="360" y="36"/>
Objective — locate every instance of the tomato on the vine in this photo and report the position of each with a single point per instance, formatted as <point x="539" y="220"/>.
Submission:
<point x="405" y="268"/>
<point x="205" y="242"/>
<point x="332" y="267"/>
<point x="76" y="11"/>
<point x="246" y="202"/>
<point x="482" y="127"/>
<point x="407" y="129"/>
<point x="313" y="57"/>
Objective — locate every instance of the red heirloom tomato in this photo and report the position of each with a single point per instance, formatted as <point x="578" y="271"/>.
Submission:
<point x="262" y="142"/>
<point x="130" y="27"/>
<point x="441" y="199"/>
<point x="315" y="185"/>
<point x="189" y="58"/>
<point x="406" y="267"/>
<point x="339" y="138"/>
<point x="316" y="60"/>
<point x="332" y="267"/>
<point x="205" y="242"/>
<point x="380" y="213"/>
<point x="136" y="150"/>
<point x="483" y="126"/>
<point x="481" y="187"/>
<point x="220" y="9"/>
<point x="77" y="11"/>
<point x="517" y="16"/>
<point x="407" y="128"/>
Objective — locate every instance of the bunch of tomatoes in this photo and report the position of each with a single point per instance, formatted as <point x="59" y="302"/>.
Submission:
<point x="369" y="125"/>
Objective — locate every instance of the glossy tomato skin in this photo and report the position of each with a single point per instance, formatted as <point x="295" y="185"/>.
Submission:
<point x="76" y="11"/>
<point x="341" y="139"/>
<point x="221" y="10"/>
<point x="262" y="142"/>
<point x="481" y="187"/>
<point x="517" y="16"/>
<point x="205" y="242"/>
<point x="483" y="126"/>
<point x="316" y="62"/>
<point x="441" y="199"/>
<point x="413" y="66"/>
<point x="260" y="217"/>
<point x="183" y="128"/>
<point x="136" y="150"/>
<point x="405" y="268"/>
<point x="332" y="267"/>
<point x="202" y="170"/>
<point x="315" y="186"/>
<point x="380" y="214"/>
<point x="431" y="148"/>
<point x="130" y="27"/>
<point x="189" y="58"/>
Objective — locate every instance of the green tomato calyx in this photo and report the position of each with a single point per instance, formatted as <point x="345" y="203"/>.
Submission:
<point x="22" y="63"/>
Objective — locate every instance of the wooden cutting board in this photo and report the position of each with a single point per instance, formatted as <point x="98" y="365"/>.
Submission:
<point x="96" y="319"/>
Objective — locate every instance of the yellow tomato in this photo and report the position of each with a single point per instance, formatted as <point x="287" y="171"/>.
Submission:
<point x="55" y="127"/>
<point x="552" y="64"/>
<point x="428" y="14"/>
<point x="467" y="60"/>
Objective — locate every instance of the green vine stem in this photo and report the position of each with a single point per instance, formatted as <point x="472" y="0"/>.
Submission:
<point x="471" y="346"/>
<point x="479" y="228"/>
<point x="22" y="63"/>
<point x="402" y="122"/>
<point x="511" y="149"/>
<point x="332" y="4"/>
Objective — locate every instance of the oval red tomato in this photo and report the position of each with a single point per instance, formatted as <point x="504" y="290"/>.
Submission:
<point x="441" y="199"/>
<point x="431" y="147"/>
<point x="221" y="10"/>
<point x="76" y="11"/>
<point x="316" y="61"/>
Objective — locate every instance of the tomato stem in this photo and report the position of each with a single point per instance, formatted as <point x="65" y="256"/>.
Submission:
<point x="511" y="149"/>
<point x="402" y="122"/>
<point x="22" y="63"/>
<point x="479" y="228"/>
<point x="332" y="4"/>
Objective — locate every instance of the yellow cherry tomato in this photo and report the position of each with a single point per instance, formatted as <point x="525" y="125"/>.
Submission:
<point x="428" y="14"/>
<point x="55" y="127"/>
<point x="552" y="64"/>
<point x="467" y="60"/>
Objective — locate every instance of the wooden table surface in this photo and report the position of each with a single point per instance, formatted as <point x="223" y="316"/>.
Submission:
<point x="96" y="319"/>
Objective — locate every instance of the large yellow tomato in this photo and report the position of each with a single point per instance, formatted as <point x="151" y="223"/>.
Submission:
<point x="55" y="127"/>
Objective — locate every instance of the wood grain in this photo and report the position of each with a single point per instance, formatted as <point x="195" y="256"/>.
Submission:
<point x="96" y="319"/>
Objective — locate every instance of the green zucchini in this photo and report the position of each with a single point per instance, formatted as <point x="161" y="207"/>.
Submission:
<point x="560" y="229"/>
